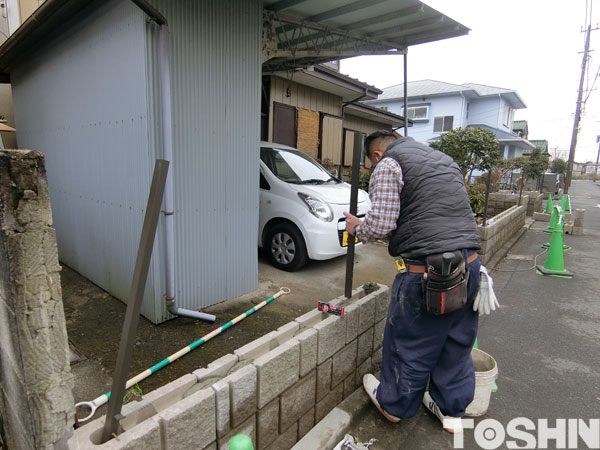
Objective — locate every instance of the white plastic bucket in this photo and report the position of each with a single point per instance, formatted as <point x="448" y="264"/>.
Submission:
<point x="486" y="371"/>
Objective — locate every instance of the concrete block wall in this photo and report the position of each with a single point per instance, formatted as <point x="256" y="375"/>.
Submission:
<point x="499" y="229"/>
<point x="274" y="389"/>
<point x="501" y="201"/>
<point x="36" y="403"/>
<point x="534" y="203"/>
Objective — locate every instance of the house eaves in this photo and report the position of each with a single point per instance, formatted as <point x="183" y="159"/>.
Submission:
<point x="368" y="112"/>
<point x="332" y="82"/>
<point x="504" y="137"/>
<point x="511" y="95"/>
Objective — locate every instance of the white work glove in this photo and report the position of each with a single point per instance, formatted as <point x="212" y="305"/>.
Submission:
<point x="485" y="301"/>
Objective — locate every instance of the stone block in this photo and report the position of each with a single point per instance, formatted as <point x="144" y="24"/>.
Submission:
<point x="255" y="348"/>
<point x="577" y="231"/>
<point x="145" y="435"/>
<point x="267" y="424"/>
<point x="242" y="394"/>
<point x="222" y="407"/>
<point x="365" y="345"/>
<point x="382" y="301"/>
<point x="344" y="363"/>
<point x="579" y="217"/>
<point x="332" y="337"/>
<point x="216" y="370"/>
<point x="568" y="228"/>
<point x="351" y="314"/>
<point x="350" y="384"/>
<point x="156" y="401"/>
<point x="284" y="333"/>
<point x="378" y="332"/>
<point x="362" y="370"/>
<point x="277" y="371"/>
<point x="376" y="360"/>
<point x="212" y="446"/>
<point x="310" y="319"/>
<point x="297" y="400"/>
<point x="366" y="318"/>
<point x="329" y="402"/>
<point x="190" y="423"/>
<point x="286" y="440"/>
<point x="324" y="379"/>
<point x="248" y="428"/>
<point x="308" y="350"/>
<point x="306" y="422"/>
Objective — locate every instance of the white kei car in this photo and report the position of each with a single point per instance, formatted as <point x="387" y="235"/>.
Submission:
<point x="302" y="208"/>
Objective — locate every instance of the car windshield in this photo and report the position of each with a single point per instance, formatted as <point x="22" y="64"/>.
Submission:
<point x="293" y="166"/>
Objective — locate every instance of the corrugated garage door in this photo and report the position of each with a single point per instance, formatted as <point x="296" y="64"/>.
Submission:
<point x="331" y="139"/>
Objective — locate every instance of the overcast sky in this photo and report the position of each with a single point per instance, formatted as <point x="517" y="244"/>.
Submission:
<point x="532" y="46"/>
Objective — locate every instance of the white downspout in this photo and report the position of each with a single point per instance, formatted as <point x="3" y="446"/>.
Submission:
<point x="167" y="133"/>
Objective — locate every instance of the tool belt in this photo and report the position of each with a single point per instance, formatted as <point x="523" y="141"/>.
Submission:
<point x="442" y="294"/>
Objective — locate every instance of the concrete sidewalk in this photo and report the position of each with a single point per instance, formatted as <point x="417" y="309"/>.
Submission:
<point x="544" y="338"/>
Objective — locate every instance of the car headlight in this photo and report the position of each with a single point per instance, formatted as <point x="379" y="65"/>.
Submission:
<point x="318" y="208"/>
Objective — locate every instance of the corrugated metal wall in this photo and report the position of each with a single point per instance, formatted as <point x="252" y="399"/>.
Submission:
<point x="216" y="71"/>
<point x="90" y="102"/>
<point x="82" y="102"/>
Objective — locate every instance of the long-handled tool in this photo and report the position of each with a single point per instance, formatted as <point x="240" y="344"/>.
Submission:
<point x="97" y="402"/>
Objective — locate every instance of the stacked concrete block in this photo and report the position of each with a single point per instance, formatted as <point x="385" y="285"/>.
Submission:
<point x="268" y="424"/>
<point x="297" y="401"/>
<point x="36" y="401"/>
<point x="499" y="230"/>
<point x="189" y="423"/>
<point x="308" y="350"/>
<point x="248" y="428"/>
<point x="534" y="203"/>
<point x="277" y="370"/>
<point x="274" y="389"/>
<point x="578" y="222"/>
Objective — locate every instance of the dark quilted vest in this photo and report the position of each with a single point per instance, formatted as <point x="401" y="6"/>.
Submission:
<point x="435" y="215"/>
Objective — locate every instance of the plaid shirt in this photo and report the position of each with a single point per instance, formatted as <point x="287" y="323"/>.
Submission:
<point x="384" y="192"/>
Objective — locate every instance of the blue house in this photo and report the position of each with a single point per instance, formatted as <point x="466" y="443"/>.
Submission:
<point x="437" y="107"/>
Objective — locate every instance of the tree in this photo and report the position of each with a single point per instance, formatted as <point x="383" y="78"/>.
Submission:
<point x="558" y="166"/>
<point x="471" y="148"/>
<point x="532" y="166"/>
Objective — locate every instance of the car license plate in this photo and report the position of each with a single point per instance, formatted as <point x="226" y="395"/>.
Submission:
<point x="345" y="239"/>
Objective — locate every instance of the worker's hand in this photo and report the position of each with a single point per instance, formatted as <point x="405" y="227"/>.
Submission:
<point x="351" y="223"/>
<point x="485" y="301"/>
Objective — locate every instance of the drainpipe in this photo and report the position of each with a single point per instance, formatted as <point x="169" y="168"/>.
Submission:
<point x="167" y="133"/>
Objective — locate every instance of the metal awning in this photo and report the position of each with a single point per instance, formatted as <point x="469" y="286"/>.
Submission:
<point x="300" y="33"/>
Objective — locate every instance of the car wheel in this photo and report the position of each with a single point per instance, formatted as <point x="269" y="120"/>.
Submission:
<point x="285" y="247"/>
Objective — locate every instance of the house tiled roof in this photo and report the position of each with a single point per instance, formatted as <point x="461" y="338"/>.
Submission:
<point x="428" y="88"/>
<point x="542" y="144"/>
<point x="419" y="88"/>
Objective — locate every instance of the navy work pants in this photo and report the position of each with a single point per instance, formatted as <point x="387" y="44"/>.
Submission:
<point x="419" y="347"/>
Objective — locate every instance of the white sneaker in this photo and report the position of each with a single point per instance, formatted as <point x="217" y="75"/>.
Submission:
<point x="450" y="424"/>
<point x="370" y="385"/>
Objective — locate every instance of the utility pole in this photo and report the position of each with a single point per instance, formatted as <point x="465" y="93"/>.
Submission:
<point x="577" y="113"/>
<point x="597" y="158"/>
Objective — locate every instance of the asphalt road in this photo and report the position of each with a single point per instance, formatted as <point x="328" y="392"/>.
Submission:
<point x="545" y="338"/>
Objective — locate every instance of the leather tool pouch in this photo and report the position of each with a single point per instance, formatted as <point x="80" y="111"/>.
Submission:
<point x="445" y="294"/>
